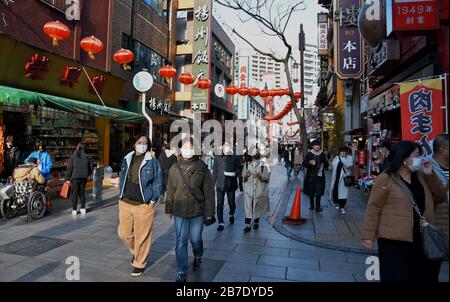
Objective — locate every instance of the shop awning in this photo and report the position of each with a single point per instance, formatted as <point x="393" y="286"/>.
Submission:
<point x="14" y="96"/>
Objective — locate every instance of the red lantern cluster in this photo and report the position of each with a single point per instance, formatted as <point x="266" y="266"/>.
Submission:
<point x="56" y="31"/>
<point x="264" y="93"/>
<point x="297" y="95"/>
<point x="254" y="91"/>
<point x="292" y="123"/>
<point x="232" y="90"/>
<point x="281" y="114"/>
<point x="244" y="91"/>
<point x="123" y="57"/>
<point x="204" y="84"/>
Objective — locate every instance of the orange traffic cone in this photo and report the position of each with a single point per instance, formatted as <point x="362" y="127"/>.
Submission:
<point x="295" y="216"/>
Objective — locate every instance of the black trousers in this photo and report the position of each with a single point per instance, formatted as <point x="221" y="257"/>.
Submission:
<point x="249" y="220"/>
<point x="405" y="262"/>
<point x="221" y="200"/>
<point x="340" y="202"/>
<point x="314" y="202"/>
<point x="78" y="188"/>
<point x="241" y="183"/>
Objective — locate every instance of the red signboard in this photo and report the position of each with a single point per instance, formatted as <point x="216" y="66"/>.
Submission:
<point x="422" y="112"/>
<point x="415" y="15"/>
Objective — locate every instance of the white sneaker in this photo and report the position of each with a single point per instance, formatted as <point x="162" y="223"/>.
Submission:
<point x="337" y="208"/>
<point x="83" y="211"/>
<point x="74" y="213"/>
<point x="343" y="211"/>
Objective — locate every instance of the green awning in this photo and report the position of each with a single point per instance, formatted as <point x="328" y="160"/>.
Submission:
<point x="16" y="96"/>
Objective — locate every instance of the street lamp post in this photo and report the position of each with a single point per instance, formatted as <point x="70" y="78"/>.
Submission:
<point x="143" y="82"/>
<point x="301" y="46"/>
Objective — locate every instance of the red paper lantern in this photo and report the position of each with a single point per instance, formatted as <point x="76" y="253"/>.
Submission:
<point x="264" y="93"/>
<point x="167" y="72"/>
<point x="123" y="57"/>
<point x="244" y="91"/>
<point x="186" y="78"/>
<point x="297" y="95"/>
<point x="273" y="92"/>
<point x="287" y="91"/>
<point x="204" y="84"/>
<point x="92" y="46"/>
<point x="56" y="31"/>
<point x="232" y="90"/>
<point x="254" y="91"/>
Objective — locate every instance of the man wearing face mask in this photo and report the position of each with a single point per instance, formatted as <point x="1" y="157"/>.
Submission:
<point x="12" y="155"/>
<point x="190" y="200"/>
<point x="141" y="180"/>
<point x="225" y="171"/>
<point x="289" y="160"/>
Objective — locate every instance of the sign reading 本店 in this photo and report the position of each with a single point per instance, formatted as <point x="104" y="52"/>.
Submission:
<point x="412" y="15"/>
<point x="422" y="113"/>
<point x="243" y="100"/>
<point x="348" y="46"/>
<point x="322" y="24"/>
<point x="201" y="56"/>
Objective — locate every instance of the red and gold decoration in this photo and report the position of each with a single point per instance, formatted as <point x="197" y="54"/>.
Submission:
<point x="244" y="91"/>
<point x="57" y="31"/>
<point x="167" y="72"/>
<point x="254" y="91"/>
<point x="281" y="114"/>
<point x="123" y="57"/>
<point x="92" y="46"/>
<point x="186" y="78"/>
<point x="204" y="83"/>
<point x="297" y="95"/>
<point x="264" y="93"/>
<point x="232" y="90"/>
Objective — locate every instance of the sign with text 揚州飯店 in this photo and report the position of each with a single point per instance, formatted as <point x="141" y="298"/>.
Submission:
<point x="201" y="56"/>
<point x="348" y="44"/>
<point x="322" y="25"/>
<point x="402" y="15"/>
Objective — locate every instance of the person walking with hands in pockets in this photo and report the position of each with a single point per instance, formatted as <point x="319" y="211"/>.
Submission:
<point x="190" y="201"/>
<point x="141" y="180"/>
<point x="394" y="222"/>
<point x="342" y="167"/>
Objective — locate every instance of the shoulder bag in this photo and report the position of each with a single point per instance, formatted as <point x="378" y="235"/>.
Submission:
<point x="349" y="181"/>
<point x="207" y="222"/>
<point x="435" y="243"/>
<point x="66" y="190"/>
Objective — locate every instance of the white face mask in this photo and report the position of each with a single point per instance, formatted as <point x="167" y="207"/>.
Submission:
<point x="227" y="150"/>
<point x="415" y="165"/>
<point x="187" y="153"/>
<point x="141" y="148"/>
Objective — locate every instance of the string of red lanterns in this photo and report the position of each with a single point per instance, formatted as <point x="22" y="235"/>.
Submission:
<point x="56" y="31"/>
<point x="92" y="46"/>
<point x="123" y="57"/>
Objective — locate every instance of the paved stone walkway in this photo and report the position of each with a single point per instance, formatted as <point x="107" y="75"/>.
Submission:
<point x="37" y="250"/>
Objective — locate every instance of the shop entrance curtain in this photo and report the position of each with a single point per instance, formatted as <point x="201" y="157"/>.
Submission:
<point x="16" y="96"/>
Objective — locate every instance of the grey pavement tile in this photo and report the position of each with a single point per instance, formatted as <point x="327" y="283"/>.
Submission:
<point x="292" y="244"/>
<point x="318" y="276"/>
<point x="231" y="277"/>
<point x="33" y="264"/>
<point x="319" y="255"/>
<point x="247" y="241"/>
<point x="263" y="279"/>
<point x="255" y="270"/>
<point x="289" y="262"/>
<point x="7" y="260"/>
<point x="10" y="275"/>
<point x="339" y="267"/>
<point x="32" y="246"/>
<point x="230" y="256"/>
<point x="362" y="278"/>
<point x="356" y="258"/>
<point x="259" y="250"/>
<point x="221" y="246"/>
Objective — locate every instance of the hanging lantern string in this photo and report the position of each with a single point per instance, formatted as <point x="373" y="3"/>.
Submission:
<point x="441" y="76"/>
<point x="93" y="86"/>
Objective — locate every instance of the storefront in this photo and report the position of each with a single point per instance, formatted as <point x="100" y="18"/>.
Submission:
<point x="47" y="98"/>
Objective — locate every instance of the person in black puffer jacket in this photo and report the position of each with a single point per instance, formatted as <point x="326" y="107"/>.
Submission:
<point x="79" y="168"/>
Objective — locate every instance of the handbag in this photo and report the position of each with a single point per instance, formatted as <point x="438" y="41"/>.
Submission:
<point x="349" y="181"/>
<point x="435" y="243"/>
<point x="66" y="190"/>
<point x="206" y="221"/>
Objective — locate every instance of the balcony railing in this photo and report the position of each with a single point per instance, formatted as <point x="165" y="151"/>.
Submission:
<point x="57" y="4"/>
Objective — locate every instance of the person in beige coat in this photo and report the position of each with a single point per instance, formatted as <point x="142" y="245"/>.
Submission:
<point x="391" y="219"/>
<point x="256" y="193"/>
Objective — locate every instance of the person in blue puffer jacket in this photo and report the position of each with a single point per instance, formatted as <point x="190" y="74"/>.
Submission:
<point x="45" y="162"/>
<point x="141" y="180"/>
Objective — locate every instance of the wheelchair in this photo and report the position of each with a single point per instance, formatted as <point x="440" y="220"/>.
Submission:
<point x="34" y="203"/>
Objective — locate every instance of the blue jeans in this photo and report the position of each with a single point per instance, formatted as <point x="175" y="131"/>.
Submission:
<point x="289" y="169"/>
<point x="185" y="228"/>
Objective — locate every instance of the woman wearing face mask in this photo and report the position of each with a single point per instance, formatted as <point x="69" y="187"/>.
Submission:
<point x="391" y="219"/>
<point x="11" y="157"/>
<point x="190" y="199"/>
<point x="342" y="166"/>
<point x="256" y="194"/>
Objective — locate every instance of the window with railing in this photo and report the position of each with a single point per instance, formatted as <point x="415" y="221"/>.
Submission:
<point x="57" y="4"/>
<point x="161" y="7"/>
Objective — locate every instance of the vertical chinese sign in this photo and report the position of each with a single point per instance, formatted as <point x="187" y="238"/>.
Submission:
<point x="422" y="112"/>
<point x="348" y="53"/>
<point x="201" y="55"/>
<point x="322" y="24"/>
<point x="243" y="100"/>
<point x="412" y="15"/>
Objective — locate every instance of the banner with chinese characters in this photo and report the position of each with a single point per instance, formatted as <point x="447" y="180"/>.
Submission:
<point x="422" y="113"/>
<point x="201" y="56"/>
<point x="412" y="15"/>
<point x="243" y="100"/>
<point x="348" y="44"/>
<point x="322" y="25"/>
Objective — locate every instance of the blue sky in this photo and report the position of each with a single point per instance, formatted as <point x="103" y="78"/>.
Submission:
<point x="229" y="18"/>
